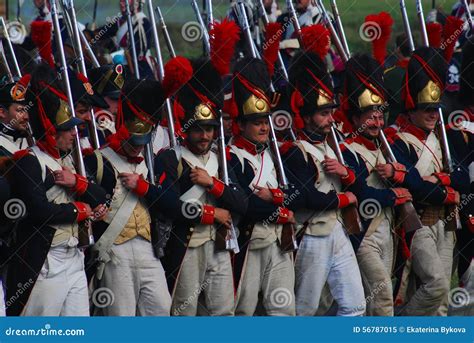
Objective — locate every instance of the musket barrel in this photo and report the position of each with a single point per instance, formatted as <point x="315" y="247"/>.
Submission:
<point x="3" y="58"/>
<point x="169" y="44"/>
<point x="340" y="27"/>
<point x="406" y="25"/>
<point x="131" y="41"/>
<point x="205" y="34"/>
<point x="10" y="46"/>
<point x="335" y="38"/>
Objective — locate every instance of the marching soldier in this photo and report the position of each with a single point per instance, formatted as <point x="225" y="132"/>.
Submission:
<point x="362" y="152"/>
<point x="13" y="117"/>
<point x="126" y="251"/>
<point x="325" y="253"/>
<point x="418" y="147"/>
<point x="84" y="99"/>
<point x="198" y="262"/>
<point x="261" y="266"/>
<point x="46" y="258"/>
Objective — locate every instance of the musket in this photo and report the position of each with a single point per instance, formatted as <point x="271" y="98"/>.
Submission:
<point x="468" y="15"/>
<point x="407" y="213"/>
<point x="87" y="47"/>
<point x="94" y="16"/>
<point x="209" y="13"/>
<point x="71" y="21"/>
<point x="131" y="36"/>
<point x="161" y="74"/>
<point x="288" y="239"/>
<point x="86" y="238"/>
<point x="205" y="34"/>
<point x="266" y="21"/>
<point x="334" y="36"/>
<point x="10" y="46"/>
<point x="169" y="43"/>
<point x="406" y="25"/>
<point x="131" y="40"/>
<point x="4" y="61"/>
<point x="451" y="225"/>
<point x="340" y="27"/>
<point x="227" y="241"/>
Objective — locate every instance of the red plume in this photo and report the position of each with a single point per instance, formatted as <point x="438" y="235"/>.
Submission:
<point x="316" y="38"/>
<point x="451" y="31"/>
<point x="383" y="22"/>
<point x="41" y="37"/>
<point x="178" y="71"/>
<point x="435" y="32"/>
<point x="223" y="39"/>
<point x="273" y="32"/>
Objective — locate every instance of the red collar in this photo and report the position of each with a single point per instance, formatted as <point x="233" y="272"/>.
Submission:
<point x="243" y="143"/>
<point x="313" y="138"/>
<point x="415" y="131"/>
<point x="369" y="144"/>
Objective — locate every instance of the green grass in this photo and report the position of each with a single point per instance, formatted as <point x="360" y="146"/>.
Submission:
<point x="177" y="13"/>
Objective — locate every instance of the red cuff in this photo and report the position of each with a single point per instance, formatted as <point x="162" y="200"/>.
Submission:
<point x="443" y="178"/>
<point x="450" y="196"/>
<point x="399" y="172"/>
<point x="81" y="184"/>
<point x="81" y="211"/>
<point x="283" y="215"/>
<point x="217" y="189"/>
<point x="349" y="178"/>
<point x="142" y="187"/>
<point x="343" y="200"/>
<point x="470" y="223"/>
<point x="401" y="196"/>
<point x="278" y="196"/>
<point x="207" y="217"/>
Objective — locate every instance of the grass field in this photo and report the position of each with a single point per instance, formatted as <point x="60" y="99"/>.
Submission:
<point x="178" y="12"/>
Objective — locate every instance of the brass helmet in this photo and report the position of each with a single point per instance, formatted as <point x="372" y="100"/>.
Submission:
<point x="363" y="86"/>
<point x="425" y="79"/>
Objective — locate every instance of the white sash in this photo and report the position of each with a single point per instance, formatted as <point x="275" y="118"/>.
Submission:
<point x="264" y="169"/>
<point x="426" y="159"/>
<point x="212" y="167"/>
<point x="8" y="145"/>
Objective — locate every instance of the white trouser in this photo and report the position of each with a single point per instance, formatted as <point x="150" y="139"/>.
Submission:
<point x="432" y="258"/>
<point x="270" y="272"/>
<point x="330" y="259"/>
<point x="375" y="256"/>
<point x="208" y="273"/>
<point x="61" y="287"/>
<point x="136" y="281"/>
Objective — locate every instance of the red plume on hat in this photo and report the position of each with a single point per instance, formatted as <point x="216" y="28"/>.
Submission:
<point x="435" y="34"/>
<point x="384" y="22"/>
<point x="41" y="37"/>
<point x="178" y="71"/>
<point x="273" y="32"/>
<point x="223" y="39"/>
<point x="451" y="31"/>
<point x="316" y="38"/>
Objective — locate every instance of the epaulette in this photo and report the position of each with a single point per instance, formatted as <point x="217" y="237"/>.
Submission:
<point x="20" y="154"/>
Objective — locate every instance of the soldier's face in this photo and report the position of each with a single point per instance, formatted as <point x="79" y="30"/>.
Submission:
<point x="369" y="123"/>
<point x="256" y="130"/>
<point x="425" y="120"/>
<point x="200" y="138"/>
<point x="320" y="122"/>
<point x="112" y="105"/>
<point x="15" y="116"/>
<point x="65" y="139"/>
<point x="83" y="111"/>
<point x="227" y="121"/>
